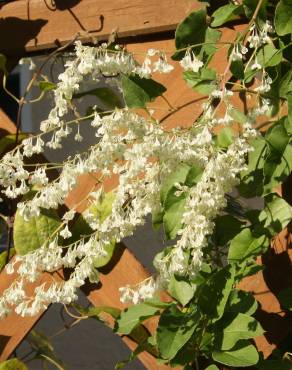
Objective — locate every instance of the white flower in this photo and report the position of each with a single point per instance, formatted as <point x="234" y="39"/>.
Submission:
<point x="152" y="52"/>
<point x="69" y="215"/>
<point x="142" y="153"/>
<point x="66" y="233"/>
<point x="39" y="177"/>
<point x="161" y="65"/>
<point x="254" y="38"/>
<point x="190" y="62"/>
<point x="265" y="85"/>
<point x="145" y="70"/>
<point x="28" y="61"/>
<point x="78" y="137"/>
<point x="256" y="65"/>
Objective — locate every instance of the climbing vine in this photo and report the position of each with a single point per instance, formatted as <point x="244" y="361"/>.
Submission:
<point x="194" y="182"/>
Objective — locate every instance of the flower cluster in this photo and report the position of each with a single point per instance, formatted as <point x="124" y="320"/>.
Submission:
<point x="142" y="153"/>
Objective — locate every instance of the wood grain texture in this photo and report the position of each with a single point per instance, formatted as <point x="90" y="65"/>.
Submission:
<point x="122" y="270"/>
<point x="14" y="328"/>
<point x="37" y="24"/>
<point x="266" y="285"/>
<point x="6" y="124"/>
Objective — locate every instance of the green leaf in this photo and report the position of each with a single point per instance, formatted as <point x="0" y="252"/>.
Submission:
<point x="225" y="13"/>
<point x="99" y="310"/>
<point x="178" y="175"/>
<point x="106" y="95"/>
<point x="42" y="345"/>
<point x="253" y="179"/>
<point x="133" y="316"/>
<point x="242" y="355"/>
<point x="276" y="215"/>
<point x="101" y="261"/>
<point x="40" y="341"/>
<point x="209" y="47"/>
<point x="100" y="210"/>
<point x="278" y="160"/>
<point x="203" y="81"/>
<point x="277" y="138"/>
<point x="173" y="206"/>
<point x="284" y="166"/>
<point x="7" y="142"/>
<point x="288" y="121"/>
<point x="103" y="208"/>
<point x="32" y="234"/>
<point x="174" y="330"/>
<point x="3" y="257"/>
<point x="172" y="219"/>
<point x="285" y="84"/>
<point x="277" y="169"/>
<point x="13" y="364"/>
<point x="79" y="229"/>
<point x="241" y="302"/>
<point x="190" y="31"/>
<point x="285" y="298"/>
<point x="203" y="275"/>
<point x="275" y="365"/>
<point x="180" y="289"/>
<point x="283" y="16"/>
<point x="156" y="302"/>
<point x="47" y="85"/>
<point x="225" y="137"/>
<point x="216" y="290"/>
<point x="237" y="69"/>
<point x="185" y="355"/>
<point x="269" y="56"/>
<point x="234" y="327"/>
<point x="140" y="91"/>
<point x="157" y="218"/>
<point x="227" y="227"/>
<point x="289" y="102"/>
<point x="212" y="367"/>
<point x="245" y="245"/>
<point x="248" y="268"/>
<point x="194" y="175"/>
<point x="250" y="7"/>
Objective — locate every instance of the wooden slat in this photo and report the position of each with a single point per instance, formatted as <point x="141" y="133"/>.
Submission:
<point x="266" y="285"/>
<point x="14" y="328"/>
<point x="124" y="269"/>
<point x="35" y="24"/>
<point x="6" y="124"/>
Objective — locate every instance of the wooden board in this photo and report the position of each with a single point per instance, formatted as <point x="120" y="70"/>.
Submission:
<point x="122" y="270"/>
<point x="6" y="125"/>
<point x="14" y="327"/>
<point x="40" y="24"/>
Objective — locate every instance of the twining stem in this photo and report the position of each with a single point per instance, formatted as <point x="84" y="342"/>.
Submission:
<point x="33" y="79"/>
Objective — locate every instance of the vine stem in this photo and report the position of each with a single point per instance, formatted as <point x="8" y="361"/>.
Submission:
<point x="197" y="363"/>
<point x="224" y="76"/>
<point x="33" y="79"/>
